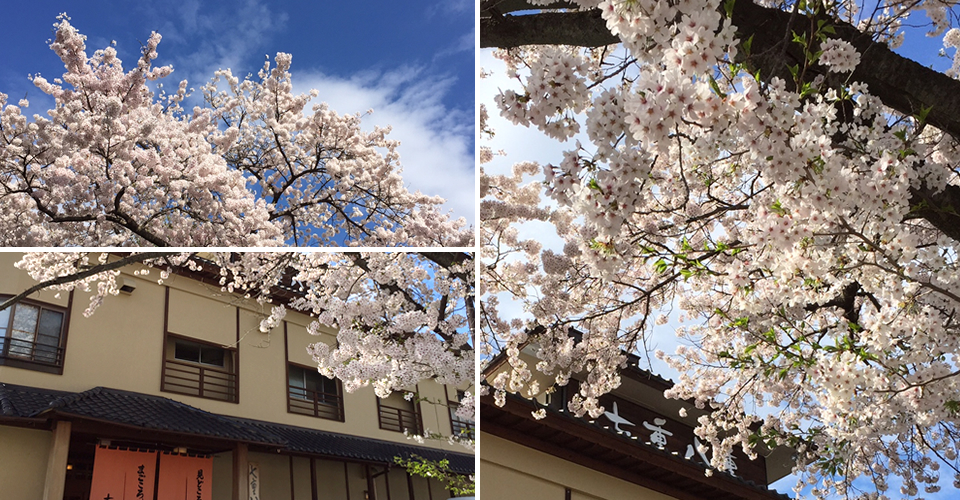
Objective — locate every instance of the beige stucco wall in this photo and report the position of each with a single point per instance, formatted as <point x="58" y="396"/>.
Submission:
<point x="301" y="478"/>
<point x="23" y="462"/>
<point x="198" y="316"/>
<point x="121" y="346"/>
<point x="357" y="480"/>
<point x="507" y="468"/>
<point x="222" y="476"/>
<point x="331" y="478"/>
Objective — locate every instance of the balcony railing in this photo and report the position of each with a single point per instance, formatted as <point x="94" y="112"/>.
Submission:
<point x="463" y="428"/>
<point x="317" y="404"/>
<point x="26" y="350"/>
<point x="398" y="419"/>
<point x="198" y="380"/>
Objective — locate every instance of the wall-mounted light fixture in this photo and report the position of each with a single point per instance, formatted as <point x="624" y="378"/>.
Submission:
<point x="127" y="285"/>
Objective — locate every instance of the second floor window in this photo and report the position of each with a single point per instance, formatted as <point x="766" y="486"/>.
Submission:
<point x="399" y="414"/>
<point x="199" y="369"/>
<point x="462" y="427"/>
<point x="310" y="393"/>
<point x="31" y="336"/>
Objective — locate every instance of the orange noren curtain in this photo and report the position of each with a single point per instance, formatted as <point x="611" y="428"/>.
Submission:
<point x="123" y="474"/>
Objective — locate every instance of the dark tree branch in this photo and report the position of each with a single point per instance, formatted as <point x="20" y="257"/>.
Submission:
<point x="900" y="83"/>
<point x="583" y="29"/>
<point x="845" y="301"/>
<point x="70" y="278"/>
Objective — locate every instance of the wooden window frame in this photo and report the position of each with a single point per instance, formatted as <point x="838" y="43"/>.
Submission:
<point x="229" y="376"/>
<point x="456" y="421"/>
<point x="316" y="405"/>
<point x="167" y="335"/>
<point x="15" y="361"/>
<point x="418" y="416"/>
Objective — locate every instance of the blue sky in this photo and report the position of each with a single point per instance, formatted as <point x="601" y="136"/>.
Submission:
<point x="411" y="62"/>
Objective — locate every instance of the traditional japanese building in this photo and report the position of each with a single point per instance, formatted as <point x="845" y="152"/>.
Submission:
<point x="171" y="391"/>
<point x="639" y="448"/>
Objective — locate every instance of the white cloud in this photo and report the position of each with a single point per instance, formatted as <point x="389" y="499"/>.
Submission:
<point x="465" y="43"/>
<point x="219" y="39"/>
<point x="449" y="8"/>
<point x="435" y="141"/>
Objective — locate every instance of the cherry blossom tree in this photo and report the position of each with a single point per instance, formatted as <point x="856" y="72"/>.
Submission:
<point x="401" y="318"/>
<point x="775" y="174"/>
<point x="119" y="161"/>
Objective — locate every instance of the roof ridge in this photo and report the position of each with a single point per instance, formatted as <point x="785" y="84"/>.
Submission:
<point x="67" y="399"/>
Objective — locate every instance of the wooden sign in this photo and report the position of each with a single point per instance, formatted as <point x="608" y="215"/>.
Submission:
<point x="254" y="480"/>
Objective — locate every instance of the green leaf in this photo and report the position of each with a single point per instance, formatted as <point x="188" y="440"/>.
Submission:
<point x="922" y="115"/>
<point x="661" y="266"/>
<point x="747" y="45"/>
<point x="728" y="8"/>
<point x="716" y="87"/>
<point x="799" y="38"/>
<point x="770" y="336"/>
<point x="458" y="484"/>
<point x="953" y="406"/>
<point x="777" y="208"/>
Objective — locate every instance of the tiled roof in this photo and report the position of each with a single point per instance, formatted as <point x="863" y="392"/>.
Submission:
<point x="164" y="414"/>
<point x="303" y="440"/>
<point x="19" y="401"/>
<point x="154" y="412"/>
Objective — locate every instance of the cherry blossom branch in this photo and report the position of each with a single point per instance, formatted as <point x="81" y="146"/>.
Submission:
<point x="81" y="275"/>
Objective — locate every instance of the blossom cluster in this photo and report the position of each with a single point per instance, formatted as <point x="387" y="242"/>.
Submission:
<point x="839" y="55"/>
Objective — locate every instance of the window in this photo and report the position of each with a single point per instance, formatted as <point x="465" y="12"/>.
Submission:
<point x="196" y="353"/>
<point x="310" y="393"/>
<point x="31" y="336"/>
<point x="199" y="369"/>
<point x="461" y="426"/>
<point x="399" y="414"/>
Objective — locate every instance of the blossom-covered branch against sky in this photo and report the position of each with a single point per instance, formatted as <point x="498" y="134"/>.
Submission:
<point x="774" y="174"/>
<point x="114" y="171"/>
<point x="399" y="318"/>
